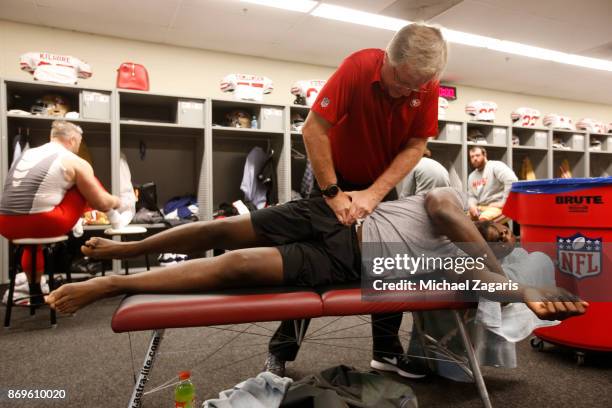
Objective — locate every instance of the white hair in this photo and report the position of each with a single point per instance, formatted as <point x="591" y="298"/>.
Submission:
<point x="422" y="47"/>
<point x="64" y="130"/>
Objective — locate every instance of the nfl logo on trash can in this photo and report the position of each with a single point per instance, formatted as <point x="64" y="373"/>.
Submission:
<point x="579" y="255"/>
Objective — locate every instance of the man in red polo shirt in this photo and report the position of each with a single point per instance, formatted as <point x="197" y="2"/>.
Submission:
<point x="366" y="131"/>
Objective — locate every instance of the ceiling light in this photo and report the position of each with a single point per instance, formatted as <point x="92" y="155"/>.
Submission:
<point x="511" y="47"/>
<point x="473" y="40"/>
<point x="303" y="6"/>
<point x="524" y="50"/>
<point x="349" y="15"/>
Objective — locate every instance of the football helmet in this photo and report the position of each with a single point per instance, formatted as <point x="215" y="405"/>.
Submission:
<point x="51" y="105"/>
<point x="238" y="118"/>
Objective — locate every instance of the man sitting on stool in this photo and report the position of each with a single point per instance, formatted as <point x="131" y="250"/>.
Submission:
<point x="488" y="186"/>
<point x="46" y="192"/>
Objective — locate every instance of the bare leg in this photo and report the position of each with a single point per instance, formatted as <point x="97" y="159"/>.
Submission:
<point x="240" y="268"/>
<point x="227" y="233"/>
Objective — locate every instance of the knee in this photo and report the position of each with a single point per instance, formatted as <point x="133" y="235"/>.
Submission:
<point x="238" y="267"/>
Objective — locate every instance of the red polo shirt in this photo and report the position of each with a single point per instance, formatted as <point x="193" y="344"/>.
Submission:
<point x="369" y="127"/>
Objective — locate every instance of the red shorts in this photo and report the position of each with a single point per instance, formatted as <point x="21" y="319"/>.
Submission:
<point x="58" y="221"/>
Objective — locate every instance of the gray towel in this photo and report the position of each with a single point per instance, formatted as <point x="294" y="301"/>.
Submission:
<point x="267" y="390"/>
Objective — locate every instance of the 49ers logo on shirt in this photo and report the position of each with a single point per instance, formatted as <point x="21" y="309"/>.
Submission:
<point x="415" y="103"/>
<point x="480" y="183"/>
<point x="579" y="255"/>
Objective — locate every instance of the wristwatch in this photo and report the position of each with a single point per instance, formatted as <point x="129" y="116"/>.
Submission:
<point x="331" y="191"/>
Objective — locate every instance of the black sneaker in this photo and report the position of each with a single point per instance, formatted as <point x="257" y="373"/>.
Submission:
<point x="274" y="365"/>
<point x="401" y="365"/>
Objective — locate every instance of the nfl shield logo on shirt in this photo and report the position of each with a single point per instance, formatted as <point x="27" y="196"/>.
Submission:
<point x="415" y="103"/>
<point x="325" y="102"/>
<point x="579" y="255"/>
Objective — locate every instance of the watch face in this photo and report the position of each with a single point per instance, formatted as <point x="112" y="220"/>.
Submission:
<point x="331" y="191"/>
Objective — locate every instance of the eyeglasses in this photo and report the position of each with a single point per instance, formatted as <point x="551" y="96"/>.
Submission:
<point x="404" y="85"/>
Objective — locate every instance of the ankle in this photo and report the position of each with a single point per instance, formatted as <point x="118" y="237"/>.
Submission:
<point x="111" y="284"/>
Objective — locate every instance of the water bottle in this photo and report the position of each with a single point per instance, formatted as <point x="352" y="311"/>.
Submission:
<point x="184" y="393"/>
<point x="254" y="124"/>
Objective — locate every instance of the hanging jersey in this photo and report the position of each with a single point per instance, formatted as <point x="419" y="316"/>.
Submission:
<point x="247" y="87"/>
<point x="308" y="90"/>
<point x="36" y="183"/>
<point x="525" y="116"/>
<point x="253" y="188"/>
<point x="18" y="150"/>
<point x="62" y="69"/>
<point x="558" y="121"/>
<point x="126" y="189"/>
<point x="442" y="107"/>
<point x="591" y="125"/>
<point x="481" y="110"/>
<point x="565" y="171"/>
<point x="526" y="172"/>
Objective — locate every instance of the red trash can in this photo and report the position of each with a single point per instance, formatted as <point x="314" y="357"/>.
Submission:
<point x="571" y="220"/>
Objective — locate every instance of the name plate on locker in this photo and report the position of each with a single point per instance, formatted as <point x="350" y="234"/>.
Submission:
<point x="190" y="113"/>
<point x="272" y="119"/>
<point x="95" y="105"/>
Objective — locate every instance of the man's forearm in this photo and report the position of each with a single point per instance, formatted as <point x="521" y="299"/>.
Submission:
<point x="319" y="152"/>
<point x="403" y="164"/>
<point x="449" y="220"/>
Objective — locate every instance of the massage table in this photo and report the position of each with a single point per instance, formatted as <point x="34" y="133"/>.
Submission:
<point x="157" y="312"/>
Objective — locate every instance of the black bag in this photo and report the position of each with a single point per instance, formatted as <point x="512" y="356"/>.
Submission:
<point x="146" y="195"/>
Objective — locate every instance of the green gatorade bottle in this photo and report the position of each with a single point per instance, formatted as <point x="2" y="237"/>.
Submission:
<point x="184" y="393"/>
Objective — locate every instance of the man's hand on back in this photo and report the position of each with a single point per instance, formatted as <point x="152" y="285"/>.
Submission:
<point x="362" y="204"/>
<point x="341" y="205"/>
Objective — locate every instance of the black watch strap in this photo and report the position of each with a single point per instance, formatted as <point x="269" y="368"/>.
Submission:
<point x="331" y="191"/>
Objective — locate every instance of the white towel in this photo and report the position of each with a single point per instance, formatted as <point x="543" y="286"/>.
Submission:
<point x="515" y="321"/>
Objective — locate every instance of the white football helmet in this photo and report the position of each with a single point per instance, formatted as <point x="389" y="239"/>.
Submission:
<point x="591" y="125"/>
<point x="556" y="121"/>
<point x="482" y="110"/>
<point x="525" y="116"/>
<point x="306" y="91"/>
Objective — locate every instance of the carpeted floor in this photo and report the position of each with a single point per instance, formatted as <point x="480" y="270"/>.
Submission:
<point x="94" y="366"/>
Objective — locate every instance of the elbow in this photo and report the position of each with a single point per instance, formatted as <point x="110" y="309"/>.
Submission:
<point x="308" y="132"/>
<point x="103" y="204"/>
<point x="436" y="205"/>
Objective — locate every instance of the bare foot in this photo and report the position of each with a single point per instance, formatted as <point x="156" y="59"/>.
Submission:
<point x="101" y="248"/>
<point x="73" y="296"/>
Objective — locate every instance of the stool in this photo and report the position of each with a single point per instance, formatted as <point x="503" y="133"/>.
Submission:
<point x="33" y="243"/>
<point x="127" y="231"/>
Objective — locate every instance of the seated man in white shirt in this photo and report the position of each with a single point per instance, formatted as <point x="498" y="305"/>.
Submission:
<point x="488" y="186"/>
